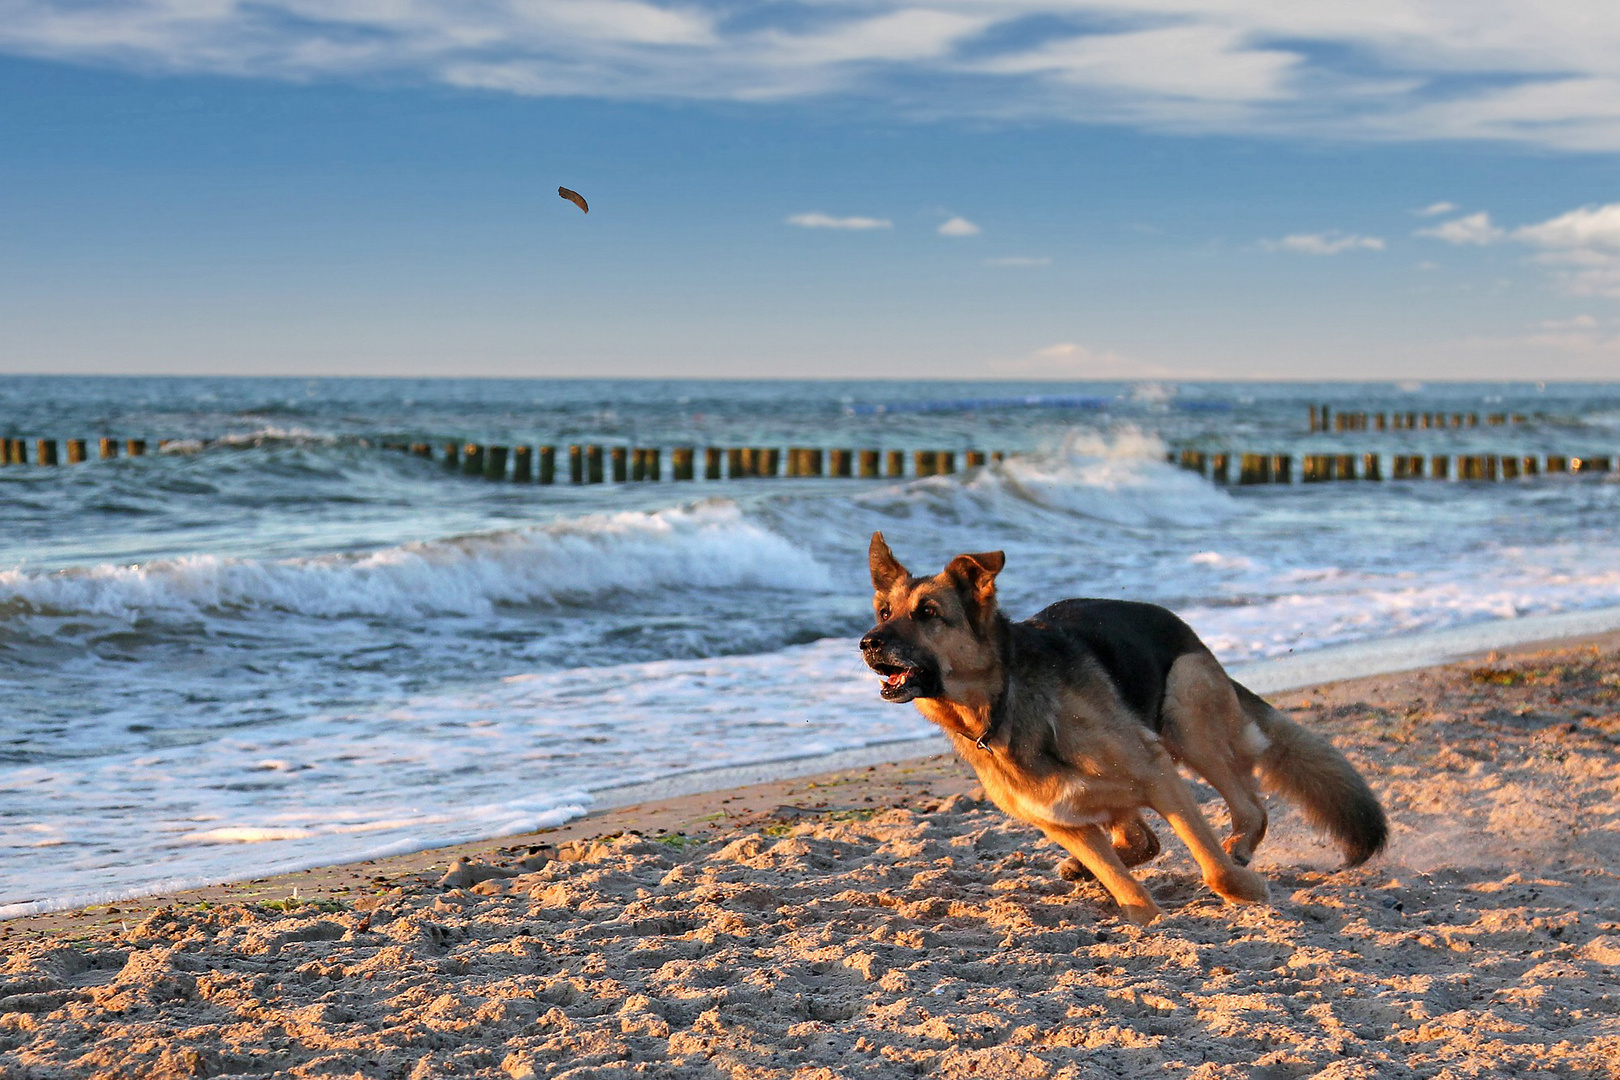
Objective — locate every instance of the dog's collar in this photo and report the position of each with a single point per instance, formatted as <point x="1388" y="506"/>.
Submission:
<point x="999" y="707"/>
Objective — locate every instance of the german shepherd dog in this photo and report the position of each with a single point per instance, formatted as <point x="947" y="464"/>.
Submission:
<point x="1076" y="720"/>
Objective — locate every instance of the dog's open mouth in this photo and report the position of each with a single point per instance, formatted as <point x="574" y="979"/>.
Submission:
<point x="900" y="682"/>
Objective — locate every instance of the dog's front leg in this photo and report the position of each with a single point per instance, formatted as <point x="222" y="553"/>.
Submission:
<point x="1095" y="850"/>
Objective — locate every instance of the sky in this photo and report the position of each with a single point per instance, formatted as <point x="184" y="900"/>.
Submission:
<point x="998" y="189"/>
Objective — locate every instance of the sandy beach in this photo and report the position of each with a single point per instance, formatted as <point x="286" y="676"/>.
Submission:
<point x="887" y="922"/>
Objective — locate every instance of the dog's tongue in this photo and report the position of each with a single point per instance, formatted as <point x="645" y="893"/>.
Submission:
<point x="896" y="679"/>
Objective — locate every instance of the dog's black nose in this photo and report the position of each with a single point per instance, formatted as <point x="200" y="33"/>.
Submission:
<point x="871" y="641"/>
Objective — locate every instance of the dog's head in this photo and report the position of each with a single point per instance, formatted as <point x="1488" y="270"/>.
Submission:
<point x="935" y="636"/>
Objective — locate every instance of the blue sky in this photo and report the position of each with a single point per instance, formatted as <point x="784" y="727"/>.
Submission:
<point x="971" y="188"/>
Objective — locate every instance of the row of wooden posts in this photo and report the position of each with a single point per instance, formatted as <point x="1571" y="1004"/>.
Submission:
<point x="595" y="464"/>
<point x="592" y="464"/>
<point x="1316" y="468"/>
<point x="1325" y="419"/>
<point x="49" y="451"/>
<point x="589" y="464"/>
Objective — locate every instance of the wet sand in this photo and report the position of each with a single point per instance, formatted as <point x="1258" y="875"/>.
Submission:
<point x="885" y="922"/>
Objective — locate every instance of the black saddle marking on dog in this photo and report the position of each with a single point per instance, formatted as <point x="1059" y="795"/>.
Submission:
<point x="1135" y="643"/>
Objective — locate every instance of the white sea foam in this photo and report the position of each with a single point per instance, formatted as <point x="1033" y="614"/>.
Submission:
<point x="1299" y="610"/>
<point x="1084" y="479"/>
<point x="708" y="545"/>
<point x="1120" y="478"/>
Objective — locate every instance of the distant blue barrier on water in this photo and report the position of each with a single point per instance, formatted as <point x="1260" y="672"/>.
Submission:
<point x="1031" y="401"/>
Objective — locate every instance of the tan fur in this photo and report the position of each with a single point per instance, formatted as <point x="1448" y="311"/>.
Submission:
<point x="1085" y="779"/>
<point x="1304" y="768"/>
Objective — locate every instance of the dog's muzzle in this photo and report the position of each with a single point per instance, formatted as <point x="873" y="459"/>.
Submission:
<point x="903" y="679"/>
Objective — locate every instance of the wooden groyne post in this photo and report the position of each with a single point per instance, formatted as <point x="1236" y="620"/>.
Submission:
<point x="682" y="464"/>
<point x="495" y="462"/>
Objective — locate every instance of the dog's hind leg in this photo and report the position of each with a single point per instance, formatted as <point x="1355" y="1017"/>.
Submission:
<point x="1206" y="729"/>
<point x="1237" y="786"/>
<point x="1094" y="850"/>
<point x="1133" y="842"/>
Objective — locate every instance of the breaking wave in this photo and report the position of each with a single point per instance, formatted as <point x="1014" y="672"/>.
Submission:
<point x="709" y="545"/>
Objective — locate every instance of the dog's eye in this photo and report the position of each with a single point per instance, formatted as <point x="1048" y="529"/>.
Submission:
<point x="926" y="611"/>
<point x="883" y="613"/>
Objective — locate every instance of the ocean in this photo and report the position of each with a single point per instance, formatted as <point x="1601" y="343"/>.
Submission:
<point x="277" y="644"/>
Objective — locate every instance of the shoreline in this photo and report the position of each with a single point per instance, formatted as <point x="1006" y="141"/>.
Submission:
<point x="698" y="804"/>
<point x="1378" y="656"/>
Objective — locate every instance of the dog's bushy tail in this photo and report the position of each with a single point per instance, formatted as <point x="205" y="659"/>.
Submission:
<point x="1306" y="770"/>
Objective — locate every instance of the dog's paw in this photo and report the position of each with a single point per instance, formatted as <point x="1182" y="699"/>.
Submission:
<point x="1072" y="869"/>
<point x="1141" y="914"/>
<point x="1241" y="886"/>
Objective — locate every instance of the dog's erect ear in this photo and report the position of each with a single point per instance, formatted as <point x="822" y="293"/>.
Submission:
<point x="975" y="575"/>
<point x="886" y="569"/>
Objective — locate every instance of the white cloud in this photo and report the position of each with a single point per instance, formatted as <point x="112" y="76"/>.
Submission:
<point x="1474" y="229"/>
<point x="1575" y="322"/>
<point x="1588" y="227"/>
<point x="1544" y="74"/>
<point x="1436" y="209"/>
<point x="1581" y="113"/>
<point x="908" y="35"/>
<point x="1584" y="271"/>
<point x="1020" y="260"/>
<point x="1324" y="243"/>
<point x="827" y="221"/>
<point x="1581" y="249"/>
<point x="1205" y="62"/>
<point x="959" y="226"/>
